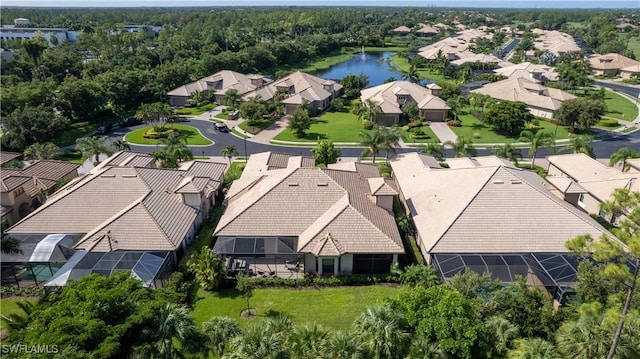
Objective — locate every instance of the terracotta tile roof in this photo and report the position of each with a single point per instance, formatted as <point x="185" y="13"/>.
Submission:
<point x="132" y="208"/>
<point x="312" y="203"/>
<point x="487" y="209"/>
<point x="8" y="156"/>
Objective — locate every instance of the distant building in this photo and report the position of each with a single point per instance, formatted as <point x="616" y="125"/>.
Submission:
<point x="10" y="33"/>
<point x="21" y="21"/>
<point x="610" y="63"/>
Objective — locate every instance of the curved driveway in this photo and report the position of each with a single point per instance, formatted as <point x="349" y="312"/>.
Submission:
<point x="602" y="148"/>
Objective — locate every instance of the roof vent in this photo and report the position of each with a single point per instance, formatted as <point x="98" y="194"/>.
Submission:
<point x="293" y="184"/>
<point x="324" y="184"/>
<point x="497" y="182"/>
<point x="108" y="176"/>
<point x="516" y="182"/>
<point x="129" y="176"/>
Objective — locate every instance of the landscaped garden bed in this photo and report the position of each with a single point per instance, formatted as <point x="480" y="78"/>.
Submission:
<point x="191" y="134"/>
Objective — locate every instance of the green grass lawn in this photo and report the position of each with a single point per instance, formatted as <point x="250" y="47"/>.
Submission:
<point x="257" y="126"/>
<point x="620" y="107"/>
<point x="222" y="116"/>
<point x="634" y="45"/>
<point x="192" y="135"/>
<point x="403" y="64"/>
<point x="336" y="126"/>
<point x="333" y="308"/>
<point x="406" y="137"/>
<point x="79" y="129"/>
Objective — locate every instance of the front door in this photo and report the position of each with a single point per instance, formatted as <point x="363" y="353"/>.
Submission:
<point x="328" y="265"/>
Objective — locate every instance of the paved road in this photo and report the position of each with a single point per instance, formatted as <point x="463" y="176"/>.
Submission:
<point x="506" y="50"/>
<point x="602" y="149"/>
<point x="629" y="90"/>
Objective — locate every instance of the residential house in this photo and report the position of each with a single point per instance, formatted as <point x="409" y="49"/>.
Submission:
<point x="427" y="30"/>
<point x="215" y="86"/>
<point x="24" y="189"/>
<point x="8" y="156"/>
<point x="610" y="64"/>
<point x="555" y="42"/>
<point x="393" y="95"/>
<point x="486" y="215"/>
<point x="298" y="88"/>
<point x="627" y="72"/>
<point x="401" y="30"/>
<point x="587" y="183"/>
<point x="482" y="58"/>
<point x="455" y="47"/>
<point x="119" y="210"/>
<point x="329" y="221"/>
<point x="634" y="164"/>
<point x="534" y="72"/>
<point x="541" y="100"/>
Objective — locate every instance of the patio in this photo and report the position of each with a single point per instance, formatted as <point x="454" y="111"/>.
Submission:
<point x="290" y="267"/>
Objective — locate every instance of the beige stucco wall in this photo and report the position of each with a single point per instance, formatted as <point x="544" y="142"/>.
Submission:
<point x="537" y="111"/>
<point x="346" y="264"/>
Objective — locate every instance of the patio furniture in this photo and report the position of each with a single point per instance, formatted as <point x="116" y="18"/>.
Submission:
<point x="292" y="265"/>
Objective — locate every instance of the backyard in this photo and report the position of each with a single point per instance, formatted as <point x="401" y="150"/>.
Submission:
<point x="332" y="308"/>
<point x="192" y="135"/>
<point x="9" y="306"/>
<point x="403" y="64"/>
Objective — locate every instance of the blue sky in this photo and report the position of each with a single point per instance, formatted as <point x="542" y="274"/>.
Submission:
<point x="396" y="3"/>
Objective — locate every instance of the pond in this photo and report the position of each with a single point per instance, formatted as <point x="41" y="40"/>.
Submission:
<point x="376" y="65"/>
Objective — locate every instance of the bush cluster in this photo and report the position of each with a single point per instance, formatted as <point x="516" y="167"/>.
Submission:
<point x="153" y="134"/>
<point x="27" y="292"/>
<point x="608" y="122"/>
<point x="454" y="123"/>
<point x="311" y="281"/>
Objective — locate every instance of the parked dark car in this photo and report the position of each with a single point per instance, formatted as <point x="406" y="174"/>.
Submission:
<point x="130" y="121"/>
<point x="220" y="126"/>
<point x="183" y="119"/>
<point x="104" y="129"/>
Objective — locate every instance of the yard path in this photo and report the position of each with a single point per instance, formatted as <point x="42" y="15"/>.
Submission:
<point x="444" y="133"/>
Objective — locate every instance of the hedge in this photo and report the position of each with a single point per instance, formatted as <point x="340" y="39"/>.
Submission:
<point x="309" y="281"/>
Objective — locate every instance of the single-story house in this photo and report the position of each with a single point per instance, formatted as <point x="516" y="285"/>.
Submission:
<point x="587" y="183"/>
<point x="627" y="72"/>
<point x="535" y="72"/>
<point x="482" y="58"/>
<point x="610" y="63"/>
<point x="216" y="86"/>
<point x="541" y="100"/>
<point x="22" y="190"/>
<point x="427" y="30"/>
<point x="486" y="215"/>
<point x="402" y="30"/>
<point x="8" y="156"/>
<point x="298" y="87"/>
<point x="393" y="95"/>
<point x="556" y="42"/>
<point x="285" y="211"/>
<point x="120" y="207"/>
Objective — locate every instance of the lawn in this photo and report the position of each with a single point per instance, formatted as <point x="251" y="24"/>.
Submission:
<point x="634" y="45"/>
<point x="333" y="308"/>
<point x="257" y="126"/>
<point x="192" y="135"/>
<point x="403" y="64"/>
<point x="406" y="135"/>
<point x="336" y="126"/>
<point x="79" y="129"/>
<point x="620" y="107"/>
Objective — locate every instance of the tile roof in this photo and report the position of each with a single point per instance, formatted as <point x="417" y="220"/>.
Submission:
<point x="487" y="209"/>
<point x="314" y="204"/>
<point x="220" y="83"/>
<point x="555" y="42"/>
<point x="132" y="208"/>
<point x="8" y="156"/>
<point x="130" y="159"/>
<point x="302" y="86"/>
<point x="611" y="61"/>
<point x="484" y="59"/>
<point x="385" y="96"/>
<point x="40" y="175"/>
<point x="527" y="91"/>
<point x="527" y="70"/>
<point x="595" y="177"/>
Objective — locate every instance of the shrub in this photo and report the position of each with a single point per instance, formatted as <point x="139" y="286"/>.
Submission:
<point x="608" y="122"/>
<point x="476" y="135"/>
<point x="454" y="123"/>
<point x="153" y="134"/>
<point x="414" y="123"/>
<point x="181" y="112"/>
<point x="72" y="153"/>
<point x="368" y="125"/>
<point x="27" y="292"/>
<point x="312" y="281"/>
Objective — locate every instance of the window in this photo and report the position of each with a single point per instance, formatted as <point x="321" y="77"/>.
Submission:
<point x="581" y="199"/>
<point x="328" y="265"/>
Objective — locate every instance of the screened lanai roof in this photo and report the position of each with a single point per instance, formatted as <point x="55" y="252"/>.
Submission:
<point x="255" y="246"/>
<point x="143" y="265"/>
<point x="553" y="270"/>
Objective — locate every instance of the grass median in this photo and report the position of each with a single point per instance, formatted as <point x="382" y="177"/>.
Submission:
<point x="191" y="134"/>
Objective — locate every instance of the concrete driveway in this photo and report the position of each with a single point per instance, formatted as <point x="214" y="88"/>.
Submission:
<point x="443" y="132"/>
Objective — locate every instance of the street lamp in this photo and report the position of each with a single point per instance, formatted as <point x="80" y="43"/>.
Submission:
<point x="244" y="139"/>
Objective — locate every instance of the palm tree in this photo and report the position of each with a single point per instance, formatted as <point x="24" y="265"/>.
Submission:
<point x="585" y="338"/>
<point x="172" y="332"/>
<point x="219" y="331"/>
<point x="208" y="268"/>
<point x="121" y="145"/>
<point x="537" y="140"/>
<point x="308" y="342"/>
<point x="229" y="152"/>
<point x="344" y="345"/>
<point x="16" y="322"/>
<point x="581" y="144"/>
<point x="156" y="114"/>
<point x="231" y="97"/>
<point x="508" y="151"/>
<point x="435" y="149"/>
<point x="463" y="147"/>
<point x="411" y="74"/>
<point x="533" y="348"/>
<point x="384" y="332"/>
<point x="422" y="347"/>
<point x="390" y="139"/>
<point x="175" y="151"/>
<point x="502" y="334"/>
<point x="196" y="98"/>
<point x="93" y="146"/>
<point x="372" y="141"/>
<point x="621" y="156"/>
<point x="42" y="151"/>
<point x="371" y="110"/>
<point x="257" y="342"/>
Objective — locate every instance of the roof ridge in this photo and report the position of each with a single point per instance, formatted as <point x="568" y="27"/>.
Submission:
<point x="153" y="218"/>
<point x="330" y="220"/>
<point x="375" y="226"/>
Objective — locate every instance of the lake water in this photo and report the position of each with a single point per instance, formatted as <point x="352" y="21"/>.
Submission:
<point x="376" y="65"/>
